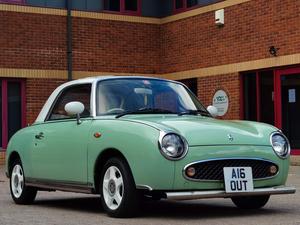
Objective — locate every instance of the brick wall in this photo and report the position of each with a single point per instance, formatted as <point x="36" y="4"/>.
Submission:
<point x="230" y="83"/>
<point x="37" y="92"/>
<point x="32" y="41"/>
<point x="250" y="29"/>
<point x="101" y="45"/>
<point x="37" y="41"/>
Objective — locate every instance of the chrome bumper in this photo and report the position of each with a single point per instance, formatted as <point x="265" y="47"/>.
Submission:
<point x="222" y="194"/>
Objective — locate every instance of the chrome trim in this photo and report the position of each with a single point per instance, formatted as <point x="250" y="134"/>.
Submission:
<point x="234" y="158"/>
<point x="59" y="185"/>
<point x="287" y="140"/>
<point x="190" y="195"/>
<point x="93" y="98"/>
<point x="162" y="134"/>
<point x="144" y="187"/>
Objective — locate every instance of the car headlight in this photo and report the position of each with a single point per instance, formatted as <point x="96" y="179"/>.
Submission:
<point x="280" y="144"/>
<point x="172" y="146"/>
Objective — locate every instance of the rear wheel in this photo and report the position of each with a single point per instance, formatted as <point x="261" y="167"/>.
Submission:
<point x="251" y="202"/>
<point x="21" y="194"/>
<point x="119" y="196"/>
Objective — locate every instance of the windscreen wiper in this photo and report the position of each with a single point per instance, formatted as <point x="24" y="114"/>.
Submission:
<point x="195" y="112"/>
<point x="146" y="111"/>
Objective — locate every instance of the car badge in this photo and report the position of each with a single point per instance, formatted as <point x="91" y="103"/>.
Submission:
<point x="230" y="138"/>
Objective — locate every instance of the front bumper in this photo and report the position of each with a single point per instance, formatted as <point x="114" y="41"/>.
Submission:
<point x="190" y="195"/>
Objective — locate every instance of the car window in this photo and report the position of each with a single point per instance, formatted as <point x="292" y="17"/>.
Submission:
<point x="79" y="93"/>
<point x="124" y="95"/>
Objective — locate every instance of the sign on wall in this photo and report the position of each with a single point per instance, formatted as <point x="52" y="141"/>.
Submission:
<point x="221" y="102"/>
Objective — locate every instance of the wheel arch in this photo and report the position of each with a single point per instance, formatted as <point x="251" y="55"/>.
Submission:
<point x="100" y="161"/>
<point x="14" y="155"/>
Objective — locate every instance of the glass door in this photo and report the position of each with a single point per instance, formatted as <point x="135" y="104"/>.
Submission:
<point x="258" y="100"/>
<point x="287" y="111"/>
<point x="273" y="97"/>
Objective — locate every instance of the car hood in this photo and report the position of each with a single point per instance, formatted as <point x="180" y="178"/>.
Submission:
<point x="199" y="130"/>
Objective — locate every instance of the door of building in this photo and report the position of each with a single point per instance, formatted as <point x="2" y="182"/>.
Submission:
<point x="287" y="107"/>
<point x="273" y="97"/>
<point x="12" y="108"/>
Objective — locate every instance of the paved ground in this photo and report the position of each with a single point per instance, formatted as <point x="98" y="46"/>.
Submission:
<point x="67" y="208"/>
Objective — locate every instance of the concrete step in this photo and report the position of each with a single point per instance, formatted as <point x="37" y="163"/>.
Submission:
<point x="2" y="158"/>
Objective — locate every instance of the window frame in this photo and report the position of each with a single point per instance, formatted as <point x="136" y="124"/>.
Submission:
<point x="57" y="98"/>
<point x="126" y="12"/>
<point x="16" y="2"/>
<point x="185" y="8"/>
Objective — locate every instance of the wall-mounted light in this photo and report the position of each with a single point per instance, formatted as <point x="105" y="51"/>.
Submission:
<point x="273" y="50"/>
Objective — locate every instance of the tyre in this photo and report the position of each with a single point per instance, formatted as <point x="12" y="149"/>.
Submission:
<point x="21" y="194"/>
<point x="119" y="196"/>
<point x="251" y="202"/>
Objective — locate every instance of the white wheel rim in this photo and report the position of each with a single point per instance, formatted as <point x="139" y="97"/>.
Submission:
<point x="17" y="181"/>
<point x="112" y="187"/>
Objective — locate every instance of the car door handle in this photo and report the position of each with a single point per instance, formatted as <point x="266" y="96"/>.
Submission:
<point x="39" y="136"/>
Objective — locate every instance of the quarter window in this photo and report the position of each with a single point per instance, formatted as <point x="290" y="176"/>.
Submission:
<point x="79" y="93"/>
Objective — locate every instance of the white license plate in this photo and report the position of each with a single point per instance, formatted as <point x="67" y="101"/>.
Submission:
<point x="238" y="179"/>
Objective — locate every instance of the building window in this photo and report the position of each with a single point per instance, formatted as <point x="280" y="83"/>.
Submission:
<point x="13" y="1"/>
<point x="131" y="7"/>
<point x="182" y="5"/>
<point x="179" y="4"/>
<point x="191" y="3"/>
<point x="112" y="5"/>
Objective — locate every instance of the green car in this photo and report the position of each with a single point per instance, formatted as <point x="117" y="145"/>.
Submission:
<point x="127" y="138"/>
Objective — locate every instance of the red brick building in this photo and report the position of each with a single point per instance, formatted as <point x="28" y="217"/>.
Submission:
<point x="254" y="57"/>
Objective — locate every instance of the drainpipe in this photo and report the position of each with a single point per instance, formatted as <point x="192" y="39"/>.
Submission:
<point x="69" y="40"/>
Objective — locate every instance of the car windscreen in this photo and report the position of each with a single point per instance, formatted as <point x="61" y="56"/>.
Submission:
<point x="117" y="96"/>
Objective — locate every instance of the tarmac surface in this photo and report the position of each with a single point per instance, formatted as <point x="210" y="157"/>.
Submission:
<point x="51" y="208"/>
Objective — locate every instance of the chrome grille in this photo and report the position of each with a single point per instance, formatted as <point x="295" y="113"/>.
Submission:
<point x="212" y="170"/>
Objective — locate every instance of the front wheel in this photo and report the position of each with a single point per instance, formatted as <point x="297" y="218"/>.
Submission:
<point x="251" y="202"/>
<point x="21" y="194"/>
<point x="119" y="196"/>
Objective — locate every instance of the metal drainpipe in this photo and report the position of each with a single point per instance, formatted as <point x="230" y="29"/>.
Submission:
<point x="69" y="40"/>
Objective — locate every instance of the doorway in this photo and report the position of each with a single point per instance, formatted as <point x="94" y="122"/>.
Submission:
<point x="273" y="97"/>
<point x="12" y="108"/>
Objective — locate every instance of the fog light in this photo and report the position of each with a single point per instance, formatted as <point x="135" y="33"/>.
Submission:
<point x="190" y="172"/>
<point x="273" y="169"/>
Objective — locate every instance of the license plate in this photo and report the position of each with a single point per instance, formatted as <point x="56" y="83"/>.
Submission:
<point x="238" y="179"/>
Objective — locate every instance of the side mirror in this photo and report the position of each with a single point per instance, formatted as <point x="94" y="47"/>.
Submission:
<point x="212" y="110"/>
<point x="74" y="108"/>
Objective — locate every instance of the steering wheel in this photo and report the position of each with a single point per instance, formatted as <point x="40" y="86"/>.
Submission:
<point x="115" y="110"/>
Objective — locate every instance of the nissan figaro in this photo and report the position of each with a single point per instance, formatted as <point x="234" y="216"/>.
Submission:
<point x="129" y="137"/>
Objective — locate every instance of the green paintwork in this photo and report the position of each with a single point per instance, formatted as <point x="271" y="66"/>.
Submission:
<point x="68" y="152"/>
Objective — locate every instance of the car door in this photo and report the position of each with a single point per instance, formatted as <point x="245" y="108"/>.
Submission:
<point x="60" y="148"/>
